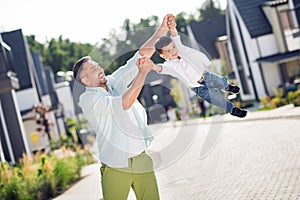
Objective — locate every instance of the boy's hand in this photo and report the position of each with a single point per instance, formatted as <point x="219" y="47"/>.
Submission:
<point x="165" y="22"/>
<point x="171" y="22"/>
<point x="172" y="26"/>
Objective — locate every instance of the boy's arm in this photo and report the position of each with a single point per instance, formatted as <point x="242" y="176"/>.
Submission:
<point x="157" y="68"/>
<point x="129" y="70"/>
<point x="172" y="26"/>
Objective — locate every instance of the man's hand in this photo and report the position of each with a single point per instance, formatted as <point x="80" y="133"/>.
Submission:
<point x="144" y="64"/>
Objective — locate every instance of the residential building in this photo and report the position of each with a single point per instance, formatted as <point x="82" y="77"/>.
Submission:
<point x="263" y="44"/>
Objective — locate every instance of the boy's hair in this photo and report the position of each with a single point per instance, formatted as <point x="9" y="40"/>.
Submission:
<point x="161" y="43"/>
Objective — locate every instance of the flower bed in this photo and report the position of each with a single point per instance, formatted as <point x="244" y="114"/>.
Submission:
<point x="42" y="176"/>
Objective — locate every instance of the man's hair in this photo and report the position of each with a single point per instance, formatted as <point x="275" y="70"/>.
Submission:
<point x="77" y="68"/>
<point x="161" y="43"/>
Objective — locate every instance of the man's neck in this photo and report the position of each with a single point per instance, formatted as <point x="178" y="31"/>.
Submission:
<point x="104" y="86"/>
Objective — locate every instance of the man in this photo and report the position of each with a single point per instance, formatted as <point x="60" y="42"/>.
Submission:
<point x="120" y="121"/>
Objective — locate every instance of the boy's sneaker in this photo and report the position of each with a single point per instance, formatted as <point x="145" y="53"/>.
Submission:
<point x="234" y="89"/>
<point x="238" y="112"/>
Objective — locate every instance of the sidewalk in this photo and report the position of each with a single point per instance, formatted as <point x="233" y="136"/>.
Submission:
<point x="284" y="112"/>
<point x="89" y="187"/>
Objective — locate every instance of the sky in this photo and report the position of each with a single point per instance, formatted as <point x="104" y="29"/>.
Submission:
<point x="86" y="21"/>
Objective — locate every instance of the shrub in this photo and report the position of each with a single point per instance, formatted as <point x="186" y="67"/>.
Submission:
<point x="294" y="97"/>
<point x="43" y="176"/>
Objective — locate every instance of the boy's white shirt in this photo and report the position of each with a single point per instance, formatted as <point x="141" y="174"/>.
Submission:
<point x="189" y="68"/>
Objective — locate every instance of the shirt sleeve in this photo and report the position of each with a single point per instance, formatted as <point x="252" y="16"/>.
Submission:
<point x="176" y="39"/>
<point x="100" y="104"/>
<point x="165" y="68"/>
<point x="126" y="73"/>
<point x="204" y="59"/>
<point x="189" y="52"/>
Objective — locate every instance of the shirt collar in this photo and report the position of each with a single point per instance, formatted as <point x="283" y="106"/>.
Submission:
<point x="94" y="89"/>
<point x="99" y="89"/>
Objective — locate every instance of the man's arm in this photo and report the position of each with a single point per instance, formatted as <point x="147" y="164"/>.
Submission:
<point x="129" y="70"/>
<point x="148" y="48"/>
<point x="145" y="65"/>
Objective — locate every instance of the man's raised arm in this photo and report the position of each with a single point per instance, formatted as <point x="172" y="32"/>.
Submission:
<point x="148" y="49"/>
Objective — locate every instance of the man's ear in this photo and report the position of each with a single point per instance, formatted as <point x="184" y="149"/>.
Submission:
<point x="85" y="81"/>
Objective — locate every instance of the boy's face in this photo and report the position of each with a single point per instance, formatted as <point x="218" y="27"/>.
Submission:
<point x="169" y="52"/>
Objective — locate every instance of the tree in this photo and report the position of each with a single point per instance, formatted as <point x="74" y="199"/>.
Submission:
<point x="59" y="54"/>
<point x="176" y="91"/>
<point x="210" y="9"/>
<point x="35" y="45"/>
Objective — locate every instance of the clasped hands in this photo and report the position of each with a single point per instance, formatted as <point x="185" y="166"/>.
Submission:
<point x="144" y="64"/>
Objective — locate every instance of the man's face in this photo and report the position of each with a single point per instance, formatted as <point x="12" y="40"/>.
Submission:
<point x="93" y="75"/>
<point x="170" y="51"/>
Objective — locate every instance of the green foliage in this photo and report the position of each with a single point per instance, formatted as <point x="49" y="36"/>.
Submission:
<point x="278" y="102"/>
<point x="64" y="172"/>
<point x="67" y="142"/>
<point x="176" y="91"/>
<point x="46" y="187"/>
<point x="35" y="45"/>
<point x="210" y="9"/>
<point x="59" y="54"/>
<point x="265" y="102"/>
<point x="112" y="52"/>
<point x="10" y="190"/>
<point x="292" y="97"/>
<point x="43" y="176"/>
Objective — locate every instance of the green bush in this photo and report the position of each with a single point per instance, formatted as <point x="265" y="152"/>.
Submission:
<point x="64" y="173"/>
<point x="294" y="97"/>
<point x="43" y="176"/>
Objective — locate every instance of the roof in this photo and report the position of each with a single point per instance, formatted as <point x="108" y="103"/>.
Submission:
<point x="207" y="31"/>
<point x="281" y="57"/>
<point x="254" y="17"/>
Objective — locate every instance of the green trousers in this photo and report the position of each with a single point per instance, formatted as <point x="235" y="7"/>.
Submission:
<point x="139" y="175"/>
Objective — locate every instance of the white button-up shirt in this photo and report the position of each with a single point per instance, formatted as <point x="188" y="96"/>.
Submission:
<point x="120" y="133"/>
<point x="189" y="67"/>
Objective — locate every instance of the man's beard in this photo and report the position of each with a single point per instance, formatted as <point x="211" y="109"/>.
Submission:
<point x="103" y="83"/>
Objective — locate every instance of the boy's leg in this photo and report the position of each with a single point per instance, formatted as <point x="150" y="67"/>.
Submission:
<point x="115" y="183"/>
<point x="213" y="80"/>
<point x="216" y="81"/>
<point x="212" y="96"/>
<point x="144" y="180"/>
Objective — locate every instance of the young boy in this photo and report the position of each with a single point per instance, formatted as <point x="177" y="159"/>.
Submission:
<point x="189" y="65"/>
